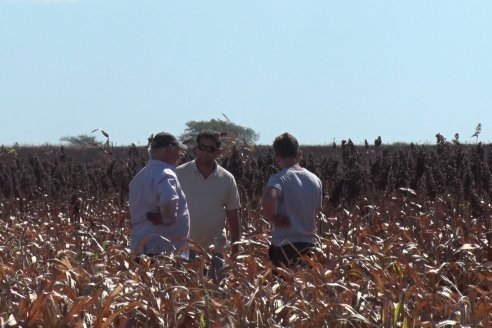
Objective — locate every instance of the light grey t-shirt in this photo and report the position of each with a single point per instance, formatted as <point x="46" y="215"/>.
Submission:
<point x="301" y="194"/>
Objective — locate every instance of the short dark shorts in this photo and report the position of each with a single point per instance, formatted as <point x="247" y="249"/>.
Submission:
<point x="289" y="255"/>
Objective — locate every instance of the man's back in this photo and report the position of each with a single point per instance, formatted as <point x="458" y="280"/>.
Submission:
<point x="300" y="197"/>
<point x="152" y="186"/>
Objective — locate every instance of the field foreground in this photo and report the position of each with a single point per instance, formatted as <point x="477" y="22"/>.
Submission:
<point x="405" y="256"/>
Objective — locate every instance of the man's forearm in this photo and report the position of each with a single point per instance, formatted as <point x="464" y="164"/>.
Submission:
<point x="269" y="203"/>
<point x="168" y="212"/>
<point x="234" y="228"/>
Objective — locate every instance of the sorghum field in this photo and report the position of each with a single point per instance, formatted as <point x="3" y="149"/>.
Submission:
<point x="404" y="243"/>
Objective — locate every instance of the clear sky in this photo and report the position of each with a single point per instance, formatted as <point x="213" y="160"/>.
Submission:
<point x="322" y="70"/>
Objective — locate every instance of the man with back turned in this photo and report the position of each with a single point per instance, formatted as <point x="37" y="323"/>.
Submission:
<point x="160" y="221"/>
<point x="291" y="201"/>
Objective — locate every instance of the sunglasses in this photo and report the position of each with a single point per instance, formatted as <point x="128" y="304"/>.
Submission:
<point x="210" y="149"/>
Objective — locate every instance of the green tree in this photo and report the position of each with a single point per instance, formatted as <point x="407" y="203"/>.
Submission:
<point x="80" y="140"/>
<point x="228" y="128"/>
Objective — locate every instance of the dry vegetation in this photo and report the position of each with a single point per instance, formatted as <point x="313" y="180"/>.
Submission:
<point x="404" y="243"/>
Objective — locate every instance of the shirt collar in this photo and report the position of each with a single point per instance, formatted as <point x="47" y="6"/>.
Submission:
<point x="195" y="168"/>
<point x="155" y="162"/>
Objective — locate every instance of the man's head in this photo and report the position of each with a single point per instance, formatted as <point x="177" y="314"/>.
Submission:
<point x="165" y="147"/>
<point x="207" y="146"/>
<point x="209" y="134"/>
<point x="164" y="139"/>
<point x="286" y="146"/>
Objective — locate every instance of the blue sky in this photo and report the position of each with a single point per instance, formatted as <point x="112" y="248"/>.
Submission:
<point x="322" y="70"/>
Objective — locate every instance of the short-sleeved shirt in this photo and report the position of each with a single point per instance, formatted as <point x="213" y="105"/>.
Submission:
<point x="300" y="197"/>
<point x="208" y="201"/>
<point x="156" y="184"/>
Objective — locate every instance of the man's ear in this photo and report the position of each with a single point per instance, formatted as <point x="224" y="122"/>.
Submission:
<point x="278" y="161"/>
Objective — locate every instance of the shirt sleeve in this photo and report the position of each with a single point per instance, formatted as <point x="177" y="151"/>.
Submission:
<point x="274" y="182"/>
<point x="167" y="189"/>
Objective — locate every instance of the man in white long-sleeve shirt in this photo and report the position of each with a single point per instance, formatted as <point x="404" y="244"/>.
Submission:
<point x="155" y="189"/>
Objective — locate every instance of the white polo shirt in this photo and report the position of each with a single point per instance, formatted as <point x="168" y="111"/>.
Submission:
<point x="208" y="200"/>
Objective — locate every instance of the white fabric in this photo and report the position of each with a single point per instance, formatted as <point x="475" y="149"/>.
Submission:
<point x="208" y="201"/>
<point x="153" y="186"/>
<point x="300" y="197"/>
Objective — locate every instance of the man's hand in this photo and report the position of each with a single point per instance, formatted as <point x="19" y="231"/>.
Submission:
<point x="234" y="250"/>
<point x="156" y="218"/>
<point x="280" y="221"/>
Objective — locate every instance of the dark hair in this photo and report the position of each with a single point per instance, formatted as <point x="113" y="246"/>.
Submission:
<point x="209" y="134"/>
<point x="286" y="146"/>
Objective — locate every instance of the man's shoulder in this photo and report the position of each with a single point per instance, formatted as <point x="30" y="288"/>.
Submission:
<point x="186" y="166"/>
<point x="276" y="178"/>
<point x="281" y="173"/>
<point x="312" y="175"/>
<point x="221" y="171"/>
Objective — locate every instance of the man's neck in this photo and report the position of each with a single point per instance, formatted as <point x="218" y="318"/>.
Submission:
<point x="289" y="163"/>
<point x="163" y="161"/>
<point x="206" y="168"/>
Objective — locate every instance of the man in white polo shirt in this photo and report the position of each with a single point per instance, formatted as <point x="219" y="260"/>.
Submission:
<point x="212" y="197"/>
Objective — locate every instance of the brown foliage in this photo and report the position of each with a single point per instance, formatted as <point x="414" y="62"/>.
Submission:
<point x="404" y="241"/>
